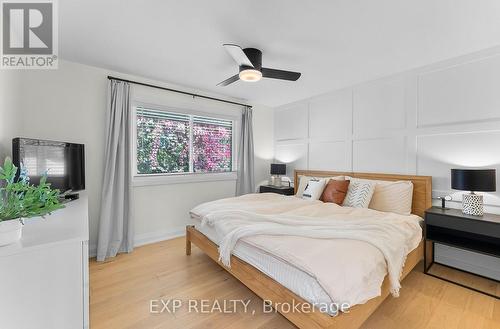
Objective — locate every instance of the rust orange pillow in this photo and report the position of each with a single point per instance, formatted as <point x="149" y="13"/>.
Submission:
<point x="335" y="191"/>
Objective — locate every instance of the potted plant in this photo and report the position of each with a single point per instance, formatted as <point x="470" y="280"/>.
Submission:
<point x="19" y="199"/>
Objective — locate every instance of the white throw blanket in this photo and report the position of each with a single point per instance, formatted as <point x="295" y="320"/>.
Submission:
<point x="391" y="234"/>
<point x="261" y="203"/>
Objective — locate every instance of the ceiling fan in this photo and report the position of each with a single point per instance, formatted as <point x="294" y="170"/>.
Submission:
<point x="250" y="62"/>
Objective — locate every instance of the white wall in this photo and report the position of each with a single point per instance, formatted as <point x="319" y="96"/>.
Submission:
<point x="423" y="122"/>
<point x="69" y="104"/>
<point x="9" y="94"/>
<point x="263" y="138"/>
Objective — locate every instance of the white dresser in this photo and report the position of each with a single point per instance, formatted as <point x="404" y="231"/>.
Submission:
<point x="44" y="281"/>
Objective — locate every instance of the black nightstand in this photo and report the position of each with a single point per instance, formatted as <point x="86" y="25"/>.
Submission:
<point x="285" y="190"/>
<point x="453" y="228"/>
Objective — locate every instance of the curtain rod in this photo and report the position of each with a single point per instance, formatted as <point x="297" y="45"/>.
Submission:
<point x="177" y="91"/>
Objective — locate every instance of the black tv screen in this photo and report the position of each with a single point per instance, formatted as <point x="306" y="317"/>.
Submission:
<point x="64" y="163"/>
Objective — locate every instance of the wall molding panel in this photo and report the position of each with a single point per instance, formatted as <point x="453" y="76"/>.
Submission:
<point x="424" y="121"/>
<point x="468" y="91"/>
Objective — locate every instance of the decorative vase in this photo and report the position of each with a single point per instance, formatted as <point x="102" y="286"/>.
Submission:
<point x="276" y="180"/>
<point x="472" y="204"/>
<point x="10" y="231"/>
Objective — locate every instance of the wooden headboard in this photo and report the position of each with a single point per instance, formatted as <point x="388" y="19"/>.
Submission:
<point x="422" y="185"/>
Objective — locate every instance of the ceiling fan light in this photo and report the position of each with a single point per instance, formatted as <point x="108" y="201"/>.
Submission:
<point x="250" y="75"/>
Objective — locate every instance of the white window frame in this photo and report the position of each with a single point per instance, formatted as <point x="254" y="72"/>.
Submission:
<point x="191" y="177"/>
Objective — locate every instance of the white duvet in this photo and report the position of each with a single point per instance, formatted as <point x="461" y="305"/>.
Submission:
<point x="346" y="250"/>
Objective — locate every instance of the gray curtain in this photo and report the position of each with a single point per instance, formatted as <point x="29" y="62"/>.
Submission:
<point x="116" y="229"/>
<point x="246" y="181"/>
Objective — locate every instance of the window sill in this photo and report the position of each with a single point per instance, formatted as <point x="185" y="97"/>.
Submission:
<point x="152" y="180"/>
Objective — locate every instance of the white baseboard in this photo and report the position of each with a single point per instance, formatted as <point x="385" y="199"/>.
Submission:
<point x="484" y="265"/>
<point x="148" y="238"/>
<point x="152" y="237"/>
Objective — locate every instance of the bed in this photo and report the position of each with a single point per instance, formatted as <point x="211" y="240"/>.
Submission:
<point x="266" y="277"/>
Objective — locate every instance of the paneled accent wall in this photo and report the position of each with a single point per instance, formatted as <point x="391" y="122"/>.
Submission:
<point x="425" y="121"/>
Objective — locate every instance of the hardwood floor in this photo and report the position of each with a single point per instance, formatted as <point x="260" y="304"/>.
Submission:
<point x="121" y="291"/>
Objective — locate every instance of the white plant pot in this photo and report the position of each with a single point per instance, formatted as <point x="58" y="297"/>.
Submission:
<point x="10" y="231"/>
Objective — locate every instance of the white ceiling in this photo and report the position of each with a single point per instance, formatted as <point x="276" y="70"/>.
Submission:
<point x="333" y="43"/>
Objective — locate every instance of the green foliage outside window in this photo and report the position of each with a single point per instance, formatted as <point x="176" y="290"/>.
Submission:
<point x="179" y="143"/>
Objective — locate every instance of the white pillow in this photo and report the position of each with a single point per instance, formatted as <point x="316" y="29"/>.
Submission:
<point x="391" y="196"/>
<point x="303" y="180"/>
<point x="359" y="193"/>
<point x="314" y="189"/>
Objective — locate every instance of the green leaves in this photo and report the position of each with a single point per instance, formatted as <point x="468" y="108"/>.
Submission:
<point x="8" y="172"/>
<point x="19" y="199"/>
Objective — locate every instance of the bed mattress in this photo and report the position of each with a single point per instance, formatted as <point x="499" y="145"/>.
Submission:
<point x="296" y="280"/>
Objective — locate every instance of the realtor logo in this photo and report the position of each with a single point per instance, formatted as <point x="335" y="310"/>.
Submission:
<point x="29" y="34"/>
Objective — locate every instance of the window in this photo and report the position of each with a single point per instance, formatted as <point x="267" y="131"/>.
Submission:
<point x="172" y="143"/>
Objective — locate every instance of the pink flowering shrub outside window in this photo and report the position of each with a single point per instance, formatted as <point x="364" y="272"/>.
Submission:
<point x="212" y="147"/>
<point x="163" y="143"/>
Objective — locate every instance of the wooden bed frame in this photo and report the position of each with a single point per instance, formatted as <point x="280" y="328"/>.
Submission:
<point x="268" y="289"/>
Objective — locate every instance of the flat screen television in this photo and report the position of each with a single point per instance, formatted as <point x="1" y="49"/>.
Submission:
<point x="64" y="163"/>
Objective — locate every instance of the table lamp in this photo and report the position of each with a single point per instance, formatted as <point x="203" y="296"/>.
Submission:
<point x="277" y="169"/>
<point x="473" y="180"/>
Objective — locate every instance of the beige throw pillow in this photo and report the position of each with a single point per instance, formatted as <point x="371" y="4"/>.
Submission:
<point x="393" y="197"/>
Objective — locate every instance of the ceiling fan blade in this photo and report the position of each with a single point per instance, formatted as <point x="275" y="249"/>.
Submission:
<point x="228" y="81"/>
<point x="237" y="54"/>
<point x="280" y="74"/>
